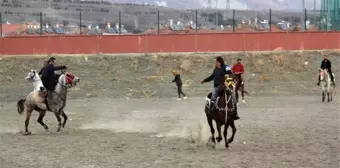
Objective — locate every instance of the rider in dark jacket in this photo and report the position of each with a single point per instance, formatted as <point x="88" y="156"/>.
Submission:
<point x="218" y="76"/>
<point x="326" y="64"/>
<point x="48" y="77"/>
<point x="42" y="69"/>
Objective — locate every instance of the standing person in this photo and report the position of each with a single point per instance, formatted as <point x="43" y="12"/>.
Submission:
<point x="179" y="84"/>
<point x="326" y="64"/>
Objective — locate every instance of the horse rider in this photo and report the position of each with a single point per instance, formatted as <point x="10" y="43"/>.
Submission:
<point x="326" y="64"/>
<point x="238" y="68"/>
<point x="218" y="75"/>
<point x="48" y="76"/>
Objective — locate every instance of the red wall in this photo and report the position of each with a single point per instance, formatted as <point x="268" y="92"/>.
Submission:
<point x="169" y="43"/>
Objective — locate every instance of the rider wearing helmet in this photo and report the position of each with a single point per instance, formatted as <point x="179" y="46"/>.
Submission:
<point x="218" y="75"/>
<point x="48" y="77"/>
<point x="326" y="64"/>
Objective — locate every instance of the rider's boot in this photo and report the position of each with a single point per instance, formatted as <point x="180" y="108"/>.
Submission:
<point x="318" y="81"/>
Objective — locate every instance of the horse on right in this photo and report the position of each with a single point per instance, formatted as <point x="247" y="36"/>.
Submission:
<point x="326" y="85"/>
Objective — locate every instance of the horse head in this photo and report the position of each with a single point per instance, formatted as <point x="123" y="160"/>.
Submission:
<point x="324" y="74"/>
<point x="32" y="76"/>
<point x="68" y="79"/>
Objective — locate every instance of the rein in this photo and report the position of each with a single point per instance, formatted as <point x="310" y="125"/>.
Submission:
<point x="226" y="108"/>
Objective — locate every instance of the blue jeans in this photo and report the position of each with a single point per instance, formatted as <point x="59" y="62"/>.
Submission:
<point x="214" y="94"/>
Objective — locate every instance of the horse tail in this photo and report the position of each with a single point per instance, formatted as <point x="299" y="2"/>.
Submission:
<point x="20" y="105"/>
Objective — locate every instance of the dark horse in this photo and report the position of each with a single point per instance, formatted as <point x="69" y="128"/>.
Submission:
<point x="239" y="85"/>
<point x="223" y="112"/>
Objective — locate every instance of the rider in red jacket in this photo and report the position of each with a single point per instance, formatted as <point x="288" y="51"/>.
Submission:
<point x="238" y="68"/>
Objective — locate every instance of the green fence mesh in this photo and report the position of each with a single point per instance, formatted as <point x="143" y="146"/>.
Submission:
<point x="330" y="15"/>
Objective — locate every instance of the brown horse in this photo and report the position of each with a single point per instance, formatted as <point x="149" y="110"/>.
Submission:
<point x="223" y="113"/>
<point x="239" y="86"/>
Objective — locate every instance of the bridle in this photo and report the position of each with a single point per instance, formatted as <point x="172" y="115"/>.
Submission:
<point x="226" y="109"/>
<point x="68" y="85"/>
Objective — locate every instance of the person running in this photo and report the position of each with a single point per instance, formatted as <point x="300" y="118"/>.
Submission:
<point x="178" y="84"/>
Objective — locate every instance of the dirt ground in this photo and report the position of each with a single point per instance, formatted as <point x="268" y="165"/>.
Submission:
<point x="114" y="124"/>
<point x="273" y="132"/>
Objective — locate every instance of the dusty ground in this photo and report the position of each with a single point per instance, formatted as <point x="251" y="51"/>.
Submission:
<point x="273" y="132"/>
<point x="284" y="124"/>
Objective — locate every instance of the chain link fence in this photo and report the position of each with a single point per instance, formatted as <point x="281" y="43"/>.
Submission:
<point x="137" y="19"/>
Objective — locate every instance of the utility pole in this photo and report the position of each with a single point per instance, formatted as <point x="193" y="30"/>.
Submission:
<point x="303" y="16"/>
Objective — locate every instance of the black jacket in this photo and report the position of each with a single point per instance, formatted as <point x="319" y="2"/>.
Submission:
<point x="178" y="80"/>
<point x="48" y="77"/>
<point x="218" y="76"/>
<point x="326" y="64"/>
<point x="48" y="71"/>
<point x="41" y="70"/>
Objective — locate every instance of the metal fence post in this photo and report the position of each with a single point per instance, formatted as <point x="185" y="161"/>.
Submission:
<point x="196" y="20"/>
<point x="80" y="28"/>
<point x="158" y="28"/>
<point x="0" y="24"/>
<point x="41" y="24"/>
<point x="270" y="20"/>
<point x="233" y="20"/>
<point x="120" y="23"/>
<point x="305" y="20"/>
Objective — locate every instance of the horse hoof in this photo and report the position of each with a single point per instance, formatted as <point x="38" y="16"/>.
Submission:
<point x="226" y="146"/>
<point x="27" y="133"/>
<point x="230" y="140"/>
<point x="219" y="139"/>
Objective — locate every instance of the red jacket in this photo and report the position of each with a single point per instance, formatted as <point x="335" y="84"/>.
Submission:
<point x="238" y="68"/>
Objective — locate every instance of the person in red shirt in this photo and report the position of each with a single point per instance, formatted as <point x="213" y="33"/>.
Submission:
<point x="238" y="68"/>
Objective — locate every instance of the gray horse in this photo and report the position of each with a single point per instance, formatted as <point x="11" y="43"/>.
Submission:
<point x="35" y="101"/>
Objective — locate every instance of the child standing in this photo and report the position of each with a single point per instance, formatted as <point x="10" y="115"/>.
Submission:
<point x="179" y="84"/>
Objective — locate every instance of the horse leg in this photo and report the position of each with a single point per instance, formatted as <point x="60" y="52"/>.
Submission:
<point x="232" y="124"/>
<point x="212" y="130"/>
<point x="225" y="133"/>
<point x="27" y="121"/>
<point x="59" y="120"/>
<point x="40" y="119"/>
<point x="219" y="138"/>
<point x="65" y="118"/>
<point x="242" y="93"/>
<point x="323" y="96"/>
<point x="328" y="97"/>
